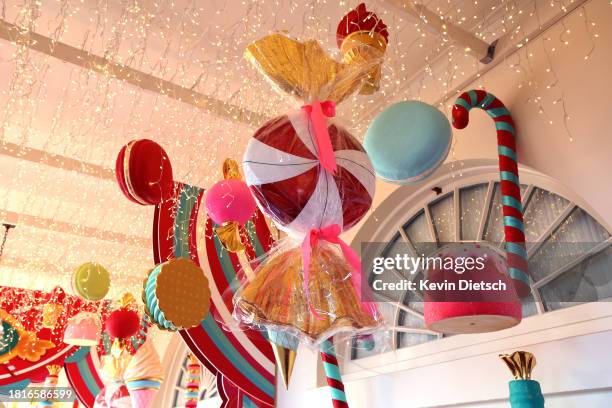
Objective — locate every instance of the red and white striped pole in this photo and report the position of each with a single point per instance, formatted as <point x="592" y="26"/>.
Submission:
<point x="332" y="373"/>
<point x="514" y="229"/>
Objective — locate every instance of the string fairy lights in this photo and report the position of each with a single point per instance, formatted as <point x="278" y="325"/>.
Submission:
<point x="76" y="113"/>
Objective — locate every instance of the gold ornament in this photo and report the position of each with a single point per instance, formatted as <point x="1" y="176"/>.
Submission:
<point x="520" y="363"/>
<point x="115" y="363"/>
<point x="363" y="48"/>
<point x="51" y="314"/>
<point x="229" y="235"/>
<point x="54" y="369"/>
<point x="127" y="301"/>
<point x="285" y="361"/>
<point x="231" y="170"/>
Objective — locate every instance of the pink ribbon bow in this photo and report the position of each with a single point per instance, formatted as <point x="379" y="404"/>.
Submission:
<point x="317" y="112"/>
<point x="331" y="234"/>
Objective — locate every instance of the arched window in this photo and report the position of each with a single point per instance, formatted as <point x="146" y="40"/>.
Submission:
<point x="465" y="206"/>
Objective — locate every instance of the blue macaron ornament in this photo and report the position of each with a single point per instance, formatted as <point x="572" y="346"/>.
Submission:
<point x="408" y="141"/>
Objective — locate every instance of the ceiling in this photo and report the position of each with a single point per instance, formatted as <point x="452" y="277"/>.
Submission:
<point x="63" y="124"/>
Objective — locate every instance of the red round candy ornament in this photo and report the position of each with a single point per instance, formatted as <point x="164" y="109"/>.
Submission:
<point x="144" y="172"/>
<point x="282" y="169"/>
<point x="122" y="323"/>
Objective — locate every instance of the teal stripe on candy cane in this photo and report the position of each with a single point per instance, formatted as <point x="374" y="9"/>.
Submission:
<point x="498" y="112"/>
<point x="518" y="249"/>
<point x="514" y="222"/>
<point x="338" y="395"/>
<point x="506" y="151"/>
<point x="505" y="126"/>
<point x="509" y="176"/>
<point x="464" y="103"/>
<point x="512" y="202"/>
<point x="487" y="101"/>
<point x="473" y="98"/>
<point x="332" y="371"/>
<point x="517" y="274"/>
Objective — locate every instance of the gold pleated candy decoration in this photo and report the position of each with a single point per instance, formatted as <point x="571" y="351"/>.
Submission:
<point x="116" y="362"/>
<point x="362" y="48"/>
<point x="520" y="363"/>
<point x="275" y="295"/>
<point x="306" y="71"/>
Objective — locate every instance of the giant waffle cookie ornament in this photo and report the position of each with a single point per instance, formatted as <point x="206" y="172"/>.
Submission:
<point x="176" y="294"/>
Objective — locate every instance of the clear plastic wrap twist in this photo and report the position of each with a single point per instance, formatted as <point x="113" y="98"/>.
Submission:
<point x="314" y="180"/>
<point x="278" y="298"/>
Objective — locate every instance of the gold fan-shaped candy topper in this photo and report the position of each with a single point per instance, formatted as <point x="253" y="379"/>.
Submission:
<point x="520" y="363"/>
<point x="231" y="171"/>
<point x="305" y="71"/>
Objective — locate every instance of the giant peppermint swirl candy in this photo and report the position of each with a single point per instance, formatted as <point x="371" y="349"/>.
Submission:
<point x="282" y="169"/>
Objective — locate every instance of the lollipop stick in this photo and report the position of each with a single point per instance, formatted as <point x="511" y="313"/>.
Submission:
<point x="332" y="373"/>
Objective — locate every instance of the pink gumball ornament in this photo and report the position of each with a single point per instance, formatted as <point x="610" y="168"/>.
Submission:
<point x="230" y="201"/>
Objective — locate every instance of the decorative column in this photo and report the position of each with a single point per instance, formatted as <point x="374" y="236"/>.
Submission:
<point x="50" y="384"/>
<point x="193" y="382"/>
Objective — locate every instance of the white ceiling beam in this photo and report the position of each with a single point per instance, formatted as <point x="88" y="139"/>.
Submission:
<point x="84" y="59"/>
<point x="63" y="227"/>
<point x="470" y="43"/>
<point x="55" y="160"/>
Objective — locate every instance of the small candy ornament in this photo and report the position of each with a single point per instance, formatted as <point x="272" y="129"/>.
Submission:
<point x="144" y="172"/>
<point x="230" y="205"/>
<point x="91" y="281"/>
<point x="124" y="321"/>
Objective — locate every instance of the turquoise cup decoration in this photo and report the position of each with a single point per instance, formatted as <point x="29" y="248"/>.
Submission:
<point x="526" y="394"/>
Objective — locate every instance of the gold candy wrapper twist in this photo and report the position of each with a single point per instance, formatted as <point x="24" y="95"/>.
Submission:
<point x="275" y="299"/>
<point x="520" y="363"/>
<point x="305" y="71"/>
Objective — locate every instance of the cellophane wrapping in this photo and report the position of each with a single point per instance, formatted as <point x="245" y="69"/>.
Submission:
<point x="287" y="170"/>
<point x="275" y="299"/>
<point x="306" y="72"/>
